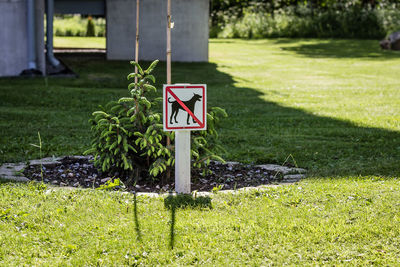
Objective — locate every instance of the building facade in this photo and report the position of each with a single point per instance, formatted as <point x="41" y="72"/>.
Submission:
<point x="22" y="38"/>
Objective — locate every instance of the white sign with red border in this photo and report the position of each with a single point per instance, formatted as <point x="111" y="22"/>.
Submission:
<point x="185" y="107"/>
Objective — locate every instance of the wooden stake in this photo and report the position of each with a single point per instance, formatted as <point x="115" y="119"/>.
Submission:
<point x="169" y="42"/>
<point x="137" y="37"/>
<point x="168" y="61"/>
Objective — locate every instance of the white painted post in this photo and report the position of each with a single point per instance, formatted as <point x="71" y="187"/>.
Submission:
<point x="182" y="162"/>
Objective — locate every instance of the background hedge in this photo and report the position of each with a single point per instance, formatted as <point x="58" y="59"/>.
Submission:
<point x="367" y="19"/>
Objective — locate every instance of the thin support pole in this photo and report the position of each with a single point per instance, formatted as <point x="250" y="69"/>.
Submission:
<point x="168" y="61"/>
<point x="169" y="42"/>
<point x="137" y="37"/>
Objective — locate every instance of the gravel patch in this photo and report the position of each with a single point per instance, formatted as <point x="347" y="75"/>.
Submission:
<point x="78" y="171"/>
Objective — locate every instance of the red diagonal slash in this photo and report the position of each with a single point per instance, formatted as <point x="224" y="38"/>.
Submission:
<point x="185" y="107"/>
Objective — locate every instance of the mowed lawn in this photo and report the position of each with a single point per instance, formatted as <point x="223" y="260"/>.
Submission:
<point x="336" y="222"/>
<point x="79" y="42"/>
<point x="333" y="105"/>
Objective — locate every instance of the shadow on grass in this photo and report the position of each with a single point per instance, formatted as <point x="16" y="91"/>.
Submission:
<point x="337" y="48"/>
<point x="256" y="131"/>
<point x="183" y="201"/>
<point x="136" y="218"/>
<point x="259" y="131"/>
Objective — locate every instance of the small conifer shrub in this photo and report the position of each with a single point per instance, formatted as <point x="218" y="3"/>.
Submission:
<point x="90" y="28"/>
<point x="128" y="135"/>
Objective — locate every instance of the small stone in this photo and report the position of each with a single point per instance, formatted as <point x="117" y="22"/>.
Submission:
<point x="274" y="168"/>
<point x="105" y="179"/>
<point x="70" y="175"/>
<point x="298" y="170"/>
<point x="87" y="180"/>
<point x="157" y="187"/>
<point x="63" y="184"/>
<point x="76" y="184"/>
<point x="54" y="182"/>
<point x="137" y="186"/>
<point x="294" y="176"/>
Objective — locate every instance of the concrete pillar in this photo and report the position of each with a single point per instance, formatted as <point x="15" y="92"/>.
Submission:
<point x="189" y="36"/>
<point x="39" y="30"/>
<point x="13" y="37"/>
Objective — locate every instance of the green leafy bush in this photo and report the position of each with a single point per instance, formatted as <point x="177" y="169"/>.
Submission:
<point x="350" y="19"/>
<point x="128" y="135"/>
<point x="77" y="25"/>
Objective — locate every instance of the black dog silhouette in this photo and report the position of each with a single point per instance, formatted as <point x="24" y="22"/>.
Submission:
<point x="190" y="104"/>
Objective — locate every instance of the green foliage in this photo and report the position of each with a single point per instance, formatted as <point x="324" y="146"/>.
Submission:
<point x="128" y="134"/>
<point x="111" y="184"/>
<point x="205" y="146"/>
<point x="76" y="25"/>
<point x="349" y="19"/>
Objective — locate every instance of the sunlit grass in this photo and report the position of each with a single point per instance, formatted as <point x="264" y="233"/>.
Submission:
<point x="315" y="222"/>
<point x="79" y="42"/>
<point x="334" y="105"/>
<point x="342" y="79"/>
<point x="331" y="104"/>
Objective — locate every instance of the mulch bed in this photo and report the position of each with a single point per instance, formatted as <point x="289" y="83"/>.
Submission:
<point x="80" y="172"/>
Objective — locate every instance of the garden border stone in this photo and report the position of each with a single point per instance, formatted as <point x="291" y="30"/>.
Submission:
<point x="14" y="172"/>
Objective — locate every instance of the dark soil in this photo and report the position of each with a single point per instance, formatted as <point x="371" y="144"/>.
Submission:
<point x="81" y="173"/>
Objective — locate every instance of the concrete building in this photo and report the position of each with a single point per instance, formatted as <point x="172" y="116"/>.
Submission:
<point x="22" y="35"/>
<point x="15" y="53"/>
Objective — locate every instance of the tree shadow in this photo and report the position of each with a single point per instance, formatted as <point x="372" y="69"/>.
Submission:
<point x="183" y="201"/>
<point x="256" y="131"/>
<point x="260" y="131"/>
<point x="136" y="219"/>
<point x="337" y="48"/>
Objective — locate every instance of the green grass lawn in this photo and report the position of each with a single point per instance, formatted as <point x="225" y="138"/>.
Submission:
<point x="79" y="42"/>
<point x="334" y="105"/>
<point x="353" y="221"/>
